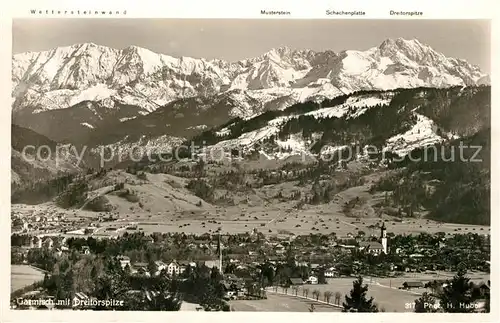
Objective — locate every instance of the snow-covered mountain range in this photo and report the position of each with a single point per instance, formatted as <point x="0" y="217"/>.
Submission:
<point x="66" y="76"/>
<point x="102" y="97"/>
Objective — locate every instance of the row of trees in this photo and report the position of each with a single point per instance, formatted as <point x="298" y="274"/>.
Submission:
<point x="459" y="295"/>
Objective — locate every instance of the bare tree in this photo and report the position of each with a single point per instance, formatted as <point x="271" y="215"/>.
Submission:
<point x="316" y="294"/>
<point x="338" y="296"/>
<point x="306" y="292"/>
<point x="327" y="294"/>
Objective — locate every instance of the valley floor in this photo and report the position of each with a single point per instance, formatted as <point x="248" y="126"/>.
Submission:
<point x="280" y="303"/>
<point x="24" y="275"/>
<point x="167" y="206"/>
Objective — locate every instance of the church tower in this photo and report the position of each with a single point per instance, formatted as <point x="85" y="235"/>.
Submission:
<point x="383" y="238"/>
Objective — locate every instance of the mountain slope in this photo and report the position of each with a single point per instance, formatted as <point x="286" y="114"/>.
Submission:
<point x="451" y="184"/>
<point x="35" y="157"/>
<point x="395" y="121"/>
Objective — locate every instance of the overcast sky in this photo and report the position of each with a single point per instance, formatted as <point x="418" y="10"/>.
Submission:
<point x="233" y="40"/>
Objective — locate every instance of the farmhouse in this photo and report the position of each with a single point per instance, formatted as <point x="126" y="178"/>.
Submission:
<point x="174" y="268"/>
<point x="140" y="268"/>
<point x="372" y="247"/>
<point x="331" y="272"/>
<point x="409" y="285"/>
<point x="124" y="261"/>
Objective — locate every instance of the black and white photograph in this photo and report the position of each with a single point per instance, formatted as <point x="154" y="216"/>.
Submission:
<point x="256" y="165"/>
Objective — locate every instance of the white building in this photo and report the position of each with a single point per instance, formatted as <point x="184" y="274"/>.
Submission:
<point x="174" y="268"/>
<point x="330" y="272"/>
<point x="124" y="261"/>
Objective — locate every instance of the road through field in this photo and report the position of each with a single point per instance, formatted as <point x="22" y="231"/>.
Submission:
<point x="280" y="303"/>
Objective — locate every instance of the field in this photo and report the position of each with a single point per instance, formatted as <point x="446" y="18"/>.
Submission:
<point x="280" y="303"/>
<point x="280" y="219"/>
<point x="23" y="275"/>
<point x="476" y="277"/>
<point x="385" y="291"/>
<point x="390" y="299"/>
<point x="270" y="220"/>
<point x="186" y="306"/>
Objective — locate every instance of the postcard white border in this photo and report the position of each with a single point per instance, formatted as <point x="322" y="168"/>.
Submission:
<point x="460" y="9"/>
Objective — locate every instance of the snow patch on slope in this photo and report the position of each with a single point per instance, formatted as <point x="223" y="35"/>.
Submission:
<point x="360" y="103"/>
<point x="422" y="134"/>
<point x="93" y="93"/>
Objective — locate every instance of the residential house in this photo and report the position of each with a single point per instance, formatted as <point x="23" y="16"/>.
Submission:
<point x="48" y="243"/>
<point x="410" y="285"/>
<point x="124" y="261"/>
<point x="26" y="226"/>
<point x="212" y="263"/>
<point x="484" y="288"/>
<point x="141" y="269"/>
<point x="345" y="247"/>
<point x="234" y="287"/>
<point x="184" y="264"/>
<point x="174" y="268"/>
<point x="33" y="242"/>
<point x="230" y="277"/>
<point x="229" y="291"/>
<point x="373" y="247"/>
<point x="148" y="239"/>
<point x="86" y="250"/>
<point x="280" y="251"/>
<point x="331" y="272"/>
<point x="315" y="266"/>
<point x="301" y="263"/>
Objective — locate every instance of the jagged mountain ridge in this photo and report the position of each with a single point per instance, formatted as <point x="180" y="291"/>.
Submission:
<point x="65" y="76"/>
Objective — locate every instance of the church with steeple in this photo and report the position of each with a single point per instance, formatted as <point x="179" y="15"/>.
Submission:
<point x="376" y="247"/>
